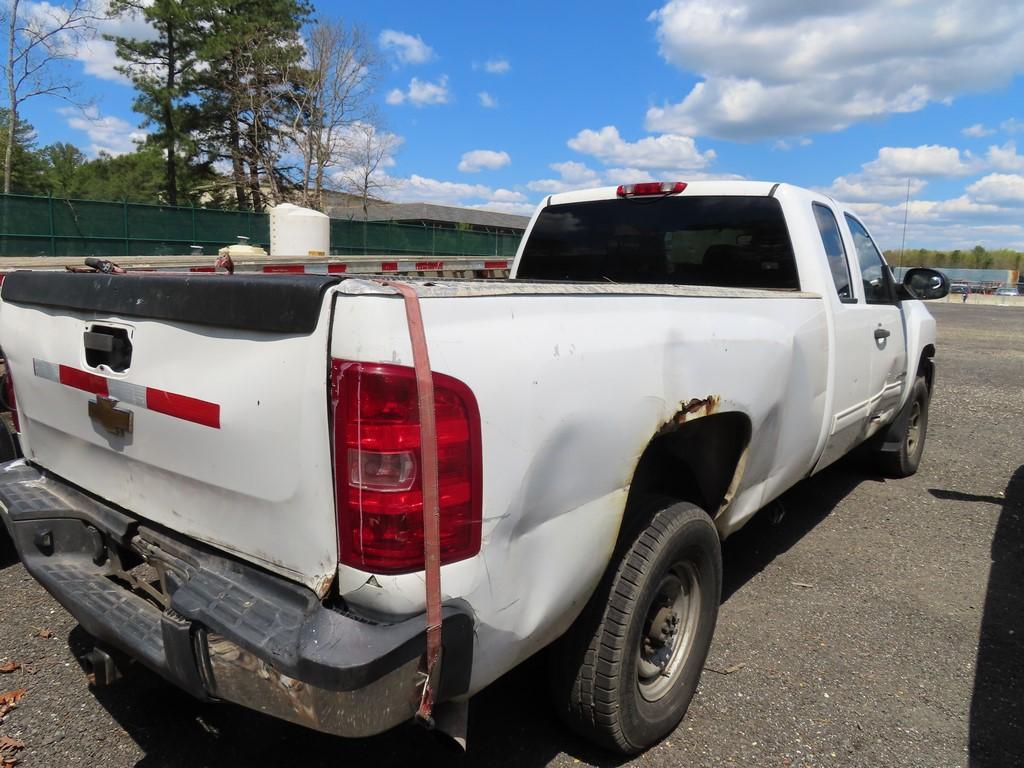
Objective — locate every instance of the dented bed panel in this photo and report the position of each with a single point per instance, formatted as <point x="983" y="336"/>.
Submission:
<point x="584" y="383"/>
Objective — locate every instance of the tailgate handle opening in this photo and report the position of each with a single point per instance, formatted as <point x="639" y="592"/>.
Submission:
<point x="109" y="346"/>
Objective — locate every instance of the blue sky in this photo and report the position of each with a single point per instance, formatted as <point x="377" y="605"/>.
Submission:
<point x="495" y="105"/>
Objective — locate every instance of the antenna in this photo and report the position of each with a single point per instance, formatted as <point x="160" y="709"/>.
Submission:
<point x="906" y="213"/>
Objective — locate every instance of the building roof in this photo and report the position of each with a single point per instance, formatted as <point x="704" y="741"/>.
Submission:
<point x="446" y="214"/>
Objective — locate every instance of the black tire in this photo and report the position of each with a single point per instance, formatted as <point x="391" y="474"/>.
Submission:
<point x="9" y="447"/>
<point x="8" y="554"/>
<point x="616" y="680"/>
<point x="905" y="461"/>
<point x="9" y="450"/>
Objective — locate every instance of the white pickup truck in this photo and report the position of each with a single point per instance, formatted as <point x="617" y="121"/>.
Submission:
<point x="240" y="481"/>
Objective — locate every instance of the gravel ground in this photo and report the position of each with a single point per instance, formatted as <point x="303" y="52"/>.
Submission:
<point x="877" y="624"/>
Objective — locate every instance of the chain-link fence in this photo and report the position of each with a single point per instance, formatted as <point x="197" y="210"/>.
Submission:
<point x="50" y="226"/>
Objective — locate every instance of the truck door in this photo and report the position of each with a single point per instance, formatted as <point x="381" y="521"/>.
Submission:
<point x="888" y="351"/>
<point x="853" y="328"/>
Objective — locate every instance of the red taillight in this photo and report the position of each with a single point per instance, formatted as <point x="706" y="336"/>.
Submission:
<point x="648" y="188"/>
<point x="12" y="404"/>
<point x="378" y="467"/>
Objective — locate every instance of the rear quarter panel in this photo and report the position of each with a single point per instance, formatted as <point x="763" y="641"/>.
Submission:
<point x="571" y="389"/>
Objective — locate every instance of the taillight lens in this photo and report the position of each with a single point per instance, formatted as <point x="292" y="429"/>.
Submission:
<point x="9" y="399"/>
<point x="378" y="467"/>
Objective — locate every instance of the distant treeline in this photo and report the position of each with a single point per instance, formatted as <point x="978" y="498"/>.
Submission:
<point x="977" y="257"/>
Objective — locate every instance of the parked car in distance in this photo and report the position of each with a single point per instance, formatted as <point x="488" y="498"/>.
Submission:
<point x="1008" y="290"/>
<point x="959" y="288"/>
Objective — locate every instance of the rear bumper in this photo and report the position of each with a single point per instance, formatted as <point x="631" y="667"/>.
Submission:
<point x="220" y="628"/>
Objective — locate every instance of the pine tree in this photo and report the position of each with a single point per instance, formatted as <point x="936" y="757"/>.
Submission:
<point x="26" y="166"/>
<point x="164" y="72"/>
<point x="253" y="55"/>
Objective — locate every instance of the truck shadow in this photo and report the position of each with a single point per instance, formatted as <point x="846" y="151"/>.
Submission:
<point x="511" y="722"/>
<point x="753" y="548"/>
<point x="997" y="701"/>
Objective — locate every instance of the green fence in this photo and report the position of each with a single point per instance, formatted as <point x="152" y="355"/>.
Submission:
<point x="49" y="226"/>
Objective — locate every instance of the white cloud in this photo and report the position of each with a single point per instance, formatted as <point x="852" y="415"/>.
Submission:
<point x="998" y="189"/>
<point x="885" y="178"/>
<point x="486" y="100"/>
<point x="784" y="145"/>
<point x="422" y="189"/>
<point x="960" y="222"/>
<point x="97" y="56"/>
<point x="517" y="209"/>
<point x="665" y="151"/>
<point x="106" y="133"/>
<point x="977" y="131"/>
<point x="408" y="49"/>
<point x="1005" y="158"/>
<point x="786" y="67"/>
<point x="421" y="93"/>
<point x="861" y="188"/>
<point x="1013" y="125"/>
<point x="497" y="66"/>
<point x="928" y="160"/>
<point x="572" y="175"/>
<point x="479" y="159"/>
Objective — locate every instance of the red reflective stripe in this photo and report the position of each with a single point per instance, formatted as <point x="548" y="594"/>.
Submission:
<point x="429" y="265"/>
<point x="202" y="269"/>
<point x="389" y="266"/>
<point x="337" y="268"/>
<point x="276" y="268"/>
<point x="88" y="382"/>
<point x="495" y="265"/>
<point x="183" y="407"/>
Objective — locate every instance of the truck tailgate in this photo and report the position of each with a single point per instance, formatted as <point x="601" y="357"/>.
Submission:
<point x="215" y="427"/>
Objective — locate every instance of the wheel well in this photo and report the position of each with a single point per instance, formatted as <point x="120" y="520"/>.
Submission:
<point x="925" y="367"/>
<point x="695" y="462"/>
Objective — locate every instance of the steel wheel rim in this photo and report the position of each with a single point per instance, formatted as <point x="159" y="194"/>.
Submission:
<point x="914" y="428"/>
<point x="668" y="631"/>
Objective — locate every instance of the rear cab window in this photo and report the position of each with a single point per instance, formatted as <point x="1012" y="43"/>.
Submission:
<point x="728" y="241"/>
<point x="835" y="252"/>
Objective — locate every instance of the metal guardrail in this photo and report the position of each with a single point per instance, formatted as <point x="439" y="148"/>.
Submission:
<point x="451" y="266"/>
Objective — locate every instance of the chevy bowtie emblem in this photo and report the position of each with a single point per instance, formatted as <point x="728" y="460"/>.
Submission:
<point x="104" y="411"/>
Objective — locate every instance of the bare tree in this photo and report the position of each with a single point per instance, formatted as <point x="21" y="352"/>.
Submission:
<point x="368" y="150"/>
<point x="333" y="99"/>
<point x="36" y="41"/>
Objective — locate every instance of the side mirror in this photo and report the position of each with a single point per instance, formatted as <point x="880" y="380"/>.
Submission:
<point x="926" y="284"/>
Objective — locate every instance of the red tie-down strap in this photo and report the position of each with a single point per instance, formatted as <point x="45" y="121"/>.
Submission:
<point x="431" y="521"/>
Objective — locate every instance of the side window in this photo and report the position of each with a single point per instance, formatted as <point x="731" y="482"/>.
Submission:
<point x="874" y="272"/>
<point x="835" y="251"/>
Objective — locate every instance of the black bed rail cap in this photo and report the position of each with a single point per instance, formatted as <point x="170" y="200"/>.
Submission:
<point x="274" y="303"/>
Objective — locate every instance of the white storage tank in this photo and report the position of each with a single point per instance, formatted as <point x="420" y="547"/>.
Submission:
<point x="299" y="232"/>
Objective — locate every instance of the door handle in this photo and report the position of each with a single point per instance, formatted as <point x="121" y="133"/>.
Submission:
<point x="881" y="333"/>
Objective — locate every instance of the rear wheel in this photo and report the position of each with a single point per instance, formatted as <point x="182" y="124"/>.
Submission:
<point x="624" y="674"/>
